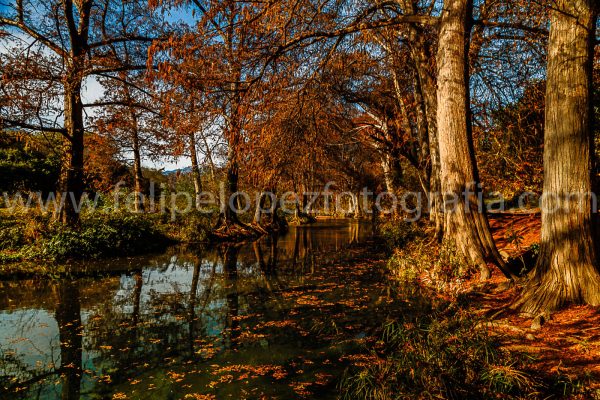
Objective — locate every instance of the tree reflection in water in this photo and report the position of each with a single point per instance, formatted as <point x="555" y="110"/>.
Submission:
<point x="182" y="313"/>
<point x="68" y="317"/>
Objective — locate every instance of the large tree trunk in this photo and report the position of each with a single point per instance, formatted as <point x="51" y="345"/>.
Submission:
<point x="72" y="168"/>
<point x="466" y="224"/>
<point x="195" y="170"/>
<point x="566" y="270"/>
<point x="72" y="182"/>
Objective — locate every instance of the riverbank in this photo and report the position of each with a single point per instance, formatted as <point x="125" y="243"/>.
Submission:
<point x="559" y="359"/>
<point x="29" y="238"/>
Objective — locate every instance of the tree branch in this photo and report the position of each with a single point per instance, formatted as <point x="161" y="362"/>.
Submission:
<point x="107" y="42"/>
<point x="18" y="124"/>
<point x="510" y="25"/>
<point x="34" y="34"/>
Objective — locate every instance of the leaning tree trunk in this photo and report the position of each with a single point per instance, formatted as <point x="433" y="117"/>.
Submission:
<point x="195" y="171"/>
<point x="388" y="173"/>
<point x="466" y="224"/>
<point x="566" y="270"/>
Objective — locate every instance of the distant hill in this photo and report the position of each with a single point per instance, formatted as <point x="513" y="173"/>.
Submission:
<point x="185" y="170"/>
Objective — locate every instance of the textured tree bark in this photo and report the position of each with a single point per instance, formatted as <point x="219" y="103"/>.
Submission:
<point x="259" y="207"/>
<point x="195" y="171"/>
<point x="466" y="224"/>
<point x="426" y="87"/>
<point x="567" y="269"/>
<point x="138" y="179"/>
<point x="387" y="173"/>
<point x="392" y="171"/>
<point x="72" y="168"/>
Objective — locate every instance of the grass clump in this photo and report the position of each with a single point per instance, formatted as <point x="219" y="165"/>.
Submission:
<point x="443" y="355"/>
<point x="419" y="260"/>
<point x="190" y="227"/>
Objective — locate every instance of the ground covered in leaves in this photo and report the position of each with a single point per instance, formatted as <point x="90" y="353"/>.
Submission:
<point x="567" y="346"/>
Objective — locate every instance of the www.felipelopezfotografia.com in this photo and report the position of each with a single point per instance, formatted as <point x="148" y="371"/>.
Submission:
<point x="299" y="199"/>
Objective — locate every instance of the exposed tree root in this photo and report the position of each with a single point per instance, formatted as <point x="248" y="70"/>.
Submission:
<point x="302" y="218"/>
<point x="231" y="229"/>
<point x="552" y="293"/>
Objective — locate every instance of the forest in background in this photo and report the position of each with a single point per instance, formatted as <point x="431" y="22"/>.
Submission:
<point x="444" y="98"/>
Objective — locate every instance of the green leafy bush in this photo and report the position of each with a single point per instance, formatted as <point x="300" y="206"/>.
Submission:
<point x="190" y="227"/>
<point x="11" y="235"/>
<point x="99" y="235"/>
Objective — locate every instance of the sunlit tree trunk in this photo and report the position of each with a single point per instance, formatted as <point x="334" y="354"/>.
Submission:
<point x="260" y="207"/>
<point x="566" y="269"/>
<point x="138" y="178"/>
<point x="391" y="170"/>
<point x="466" y="224"/>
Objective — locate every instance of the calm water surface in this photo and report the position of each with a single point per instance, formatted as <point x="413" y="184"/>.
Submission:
<point x="278" y="318"/>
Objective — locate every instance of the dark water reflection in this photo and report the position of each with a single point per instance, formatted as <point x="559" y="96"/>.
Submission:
<point x="278" y="318"/>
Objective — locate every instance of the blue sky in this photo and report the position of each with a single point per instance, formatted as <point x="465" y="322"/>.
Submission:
<point x="93" y="91"/>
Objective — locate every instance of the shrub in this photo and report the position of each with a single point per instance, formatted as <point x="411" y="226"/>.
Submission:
<point x="190" y="227"/>
<point x="100" y="235"/>
<point x="11" y="234"/>
<point x="436" y="266"/>
<point x="397" y="234"/>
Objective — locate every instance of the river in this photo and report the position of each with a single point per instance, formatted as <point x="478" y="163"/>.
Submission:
<point x="282" y="317"/>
